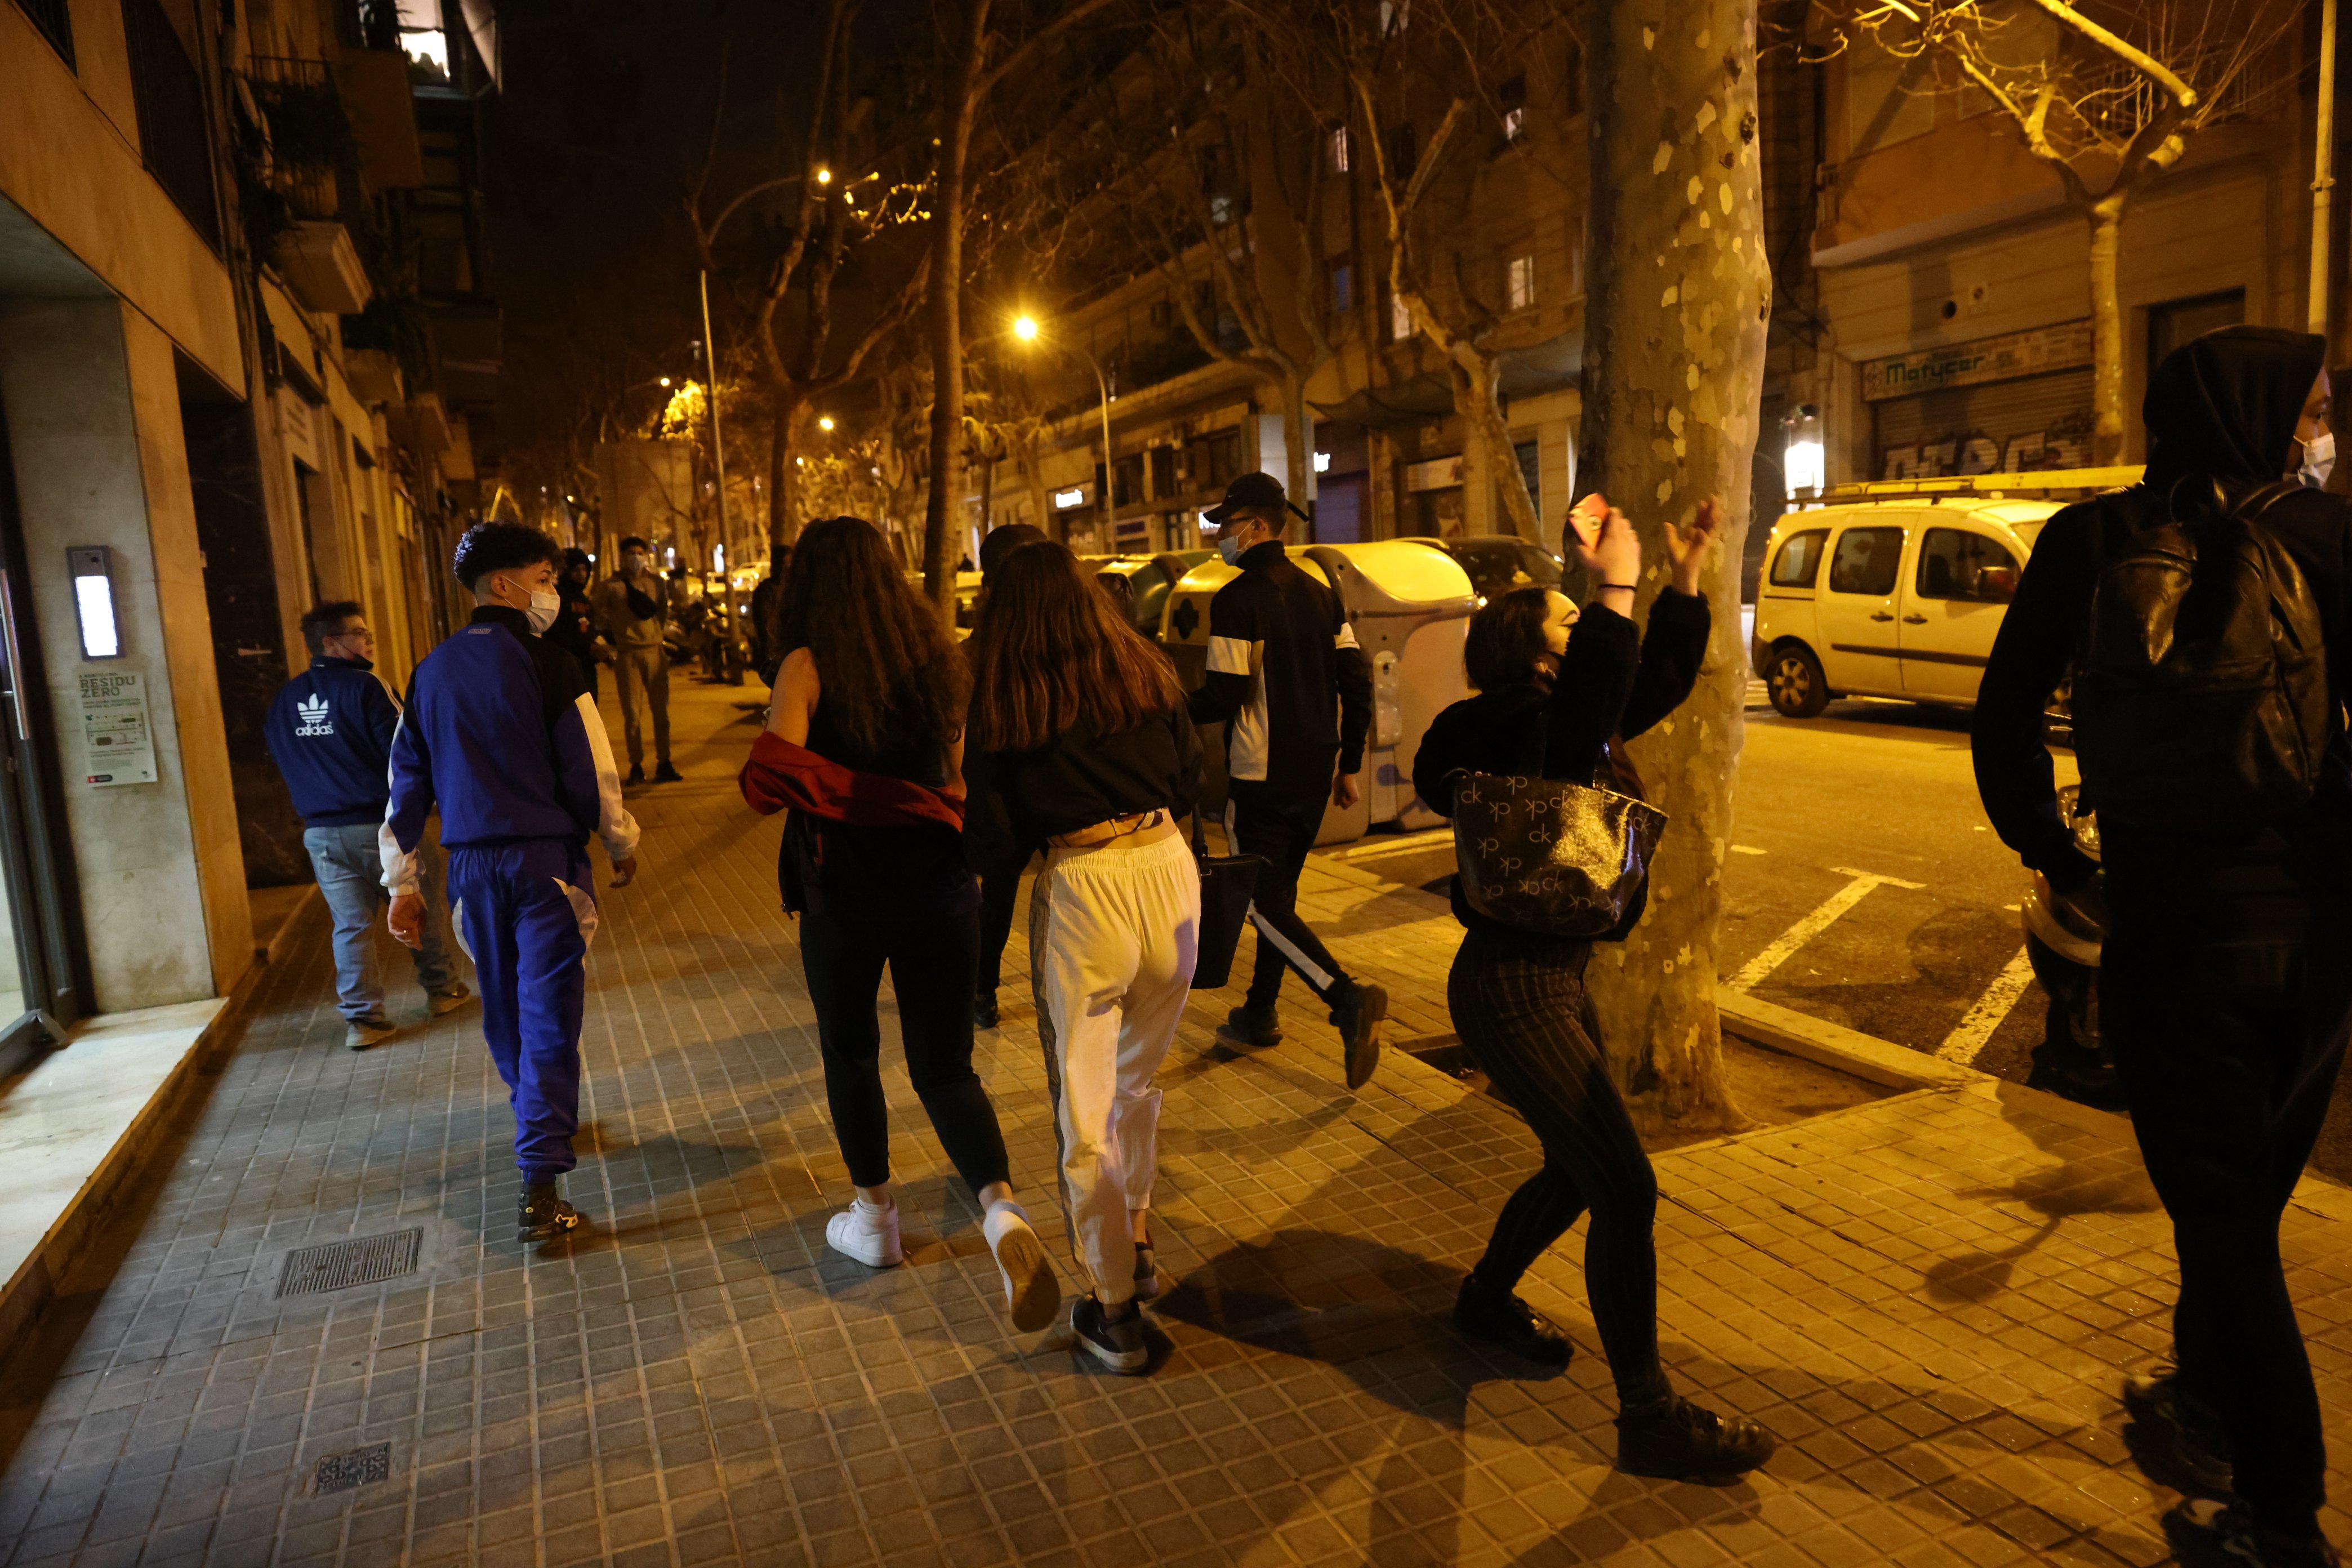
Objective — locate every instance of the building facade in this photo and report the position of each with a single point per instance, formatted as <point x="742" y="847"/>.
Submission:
<point x="227" y="392"/>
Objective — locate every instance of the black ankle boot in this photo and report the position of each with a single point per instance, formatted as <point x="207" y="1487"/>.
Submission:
<point x="541" y="1215"/>
<point x="1673" y="1439"/>
<point x="1501" y="1319"/>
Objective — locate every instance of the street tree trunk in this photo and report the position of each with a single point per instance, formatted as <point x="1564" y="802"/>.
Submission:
<point x="1674" y="356"/>
<point x="959" y="107"/>
<point x="1298" y="438"/>
<point x="2105" y="217"/>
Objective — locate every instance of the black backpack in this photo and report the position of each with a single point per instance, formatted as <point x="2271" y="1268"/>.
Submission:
<point x="2200" y="693"/>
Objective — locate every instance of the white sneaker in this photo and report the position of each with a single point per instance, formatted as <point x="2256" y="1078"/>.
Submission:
<point x="869" y="1235"/>
<point x="1032" y="1295"/>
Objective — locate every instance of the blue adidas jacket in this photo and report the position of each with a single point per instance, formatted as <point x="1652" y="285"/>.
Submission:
<point x="330" y="731"/>
<point x="501" y="735"/>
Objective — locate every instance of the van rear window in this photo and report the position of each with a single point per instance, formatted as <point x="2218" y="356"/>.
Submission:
<point x="1799" y="564"/>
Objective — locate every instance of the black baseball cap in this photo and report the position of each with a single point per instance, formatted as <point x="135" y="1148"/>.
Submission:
<point x="1252" y="492"/>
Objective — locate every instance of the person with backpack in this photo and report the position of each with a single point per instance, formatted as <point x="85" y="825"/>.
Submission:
<point x="2206" y="616"/>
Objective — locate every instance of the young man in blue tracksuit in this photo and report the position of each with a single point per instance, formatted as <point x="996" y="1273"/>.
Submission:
<point x="330" y="731"/>
<point x="501" y="735"/>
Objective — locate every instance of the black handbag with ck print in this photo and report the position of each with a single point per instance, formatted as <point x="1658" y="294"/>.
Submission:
<point x="1551" y="857"/>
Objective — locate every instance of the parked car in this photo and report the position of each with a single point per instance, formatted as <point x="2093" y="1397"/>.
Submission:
<point x="1497" y="563"/>
<point x="1889" y="598"/>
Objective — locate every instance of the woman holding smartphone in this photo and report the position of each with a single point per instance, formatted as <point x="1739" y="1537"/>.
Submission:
<point x="1558" y="693"/>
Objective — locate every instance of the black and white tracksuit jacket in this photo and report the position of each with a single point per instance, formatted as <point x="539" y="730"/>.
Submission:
<point x="1286" y="678"/>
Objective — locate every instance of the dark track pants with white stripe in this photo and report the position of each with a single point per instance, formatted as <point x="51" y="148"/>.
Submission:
<point x="1519" y="1005"/>
<point x="1282" y="827"/>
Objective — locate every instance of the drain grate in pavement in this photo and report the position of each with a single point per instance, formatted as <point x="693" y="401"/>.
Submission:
<point x="338" y="1265"/>
<point x="341" y="1472"/>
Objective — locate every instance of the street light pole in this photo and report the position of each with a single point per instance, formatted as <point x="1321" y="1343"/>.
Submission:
<point x="717" y="442"/>
<point x="1027" y="331"/>
<point x="2322" y="176"/>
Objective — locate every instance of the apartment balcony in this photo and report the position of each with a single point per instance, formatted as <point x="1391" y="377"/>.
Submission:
<point x="373" y="375"/>
<point x="323" y="269"/>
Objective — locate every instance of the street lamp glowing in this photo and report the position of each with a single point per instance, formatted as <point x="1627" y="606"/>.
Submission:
<point x="824" y="422"/>
<point x="824" y="176"/>
<point x="663" y="380"/>
<point x="1025" y="329"/>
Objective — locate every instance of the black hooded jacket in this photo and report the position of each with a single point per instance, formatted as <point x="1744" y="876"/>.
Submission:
<point x="2220" y="413"/>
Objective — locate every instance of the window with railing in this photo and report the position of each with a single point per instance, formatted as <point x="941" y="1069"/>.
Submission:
<point x="310" y="135"/>
<point x="174" y="133"/>
<point x="54" y="21"/>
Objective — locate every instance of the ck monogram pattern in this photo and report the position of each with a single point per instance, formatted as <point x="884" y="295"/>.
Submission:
<point x="1546" y="856"/>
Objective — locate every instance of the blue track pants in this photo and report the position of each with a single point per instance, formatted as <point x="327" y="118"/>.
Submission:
<point x="526" y="913"/>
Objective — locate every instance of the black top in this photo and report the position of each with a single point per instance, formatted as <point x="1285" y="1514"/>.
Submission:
<point x="560" y="684"/>
<point x="852" y="871"/>
<point x="1019" y="799"/>
<point x="1614" y="682"/>
<point x="2042" y="630"/>
<point x="1286" y="677"/>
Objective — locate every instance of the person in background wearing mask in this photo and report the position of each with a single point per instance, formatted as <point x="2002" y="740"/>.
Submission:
<point x="1000" y="872"/>
<point x="574" y="630"/>
<point x="500" y="736"/>
<point x="632" y="609"/>
<point x="330" y="731"/>
<point x="2224" y="978"/>
<point x="1291" y="685"/>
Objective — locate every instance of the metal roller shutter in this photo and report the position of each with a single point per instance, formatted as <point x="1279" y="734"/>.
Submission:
<point x="2033" y="422"/>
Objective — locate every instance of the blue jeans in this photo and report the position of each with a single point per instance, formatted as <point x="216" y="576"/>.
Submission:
<point x="350" y="875"/>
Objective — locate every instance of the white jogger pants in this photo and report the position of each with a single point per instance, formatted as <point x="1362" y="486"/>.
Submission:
<point x="1112" y="935"/>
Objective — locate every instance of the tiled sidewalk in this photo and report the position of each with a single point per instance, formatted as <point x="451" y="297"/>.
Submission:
<point x="1930" y="1299"/>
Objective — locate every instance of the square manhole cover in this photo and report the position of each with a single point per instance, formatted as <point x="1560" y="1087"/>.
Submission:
<point x="339" y="1265"/>
<point x="341" y="1472"/>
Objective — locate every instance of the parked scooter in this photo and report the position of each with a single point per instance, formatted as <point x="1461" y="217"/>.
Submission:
<point x="2063" y="934"/>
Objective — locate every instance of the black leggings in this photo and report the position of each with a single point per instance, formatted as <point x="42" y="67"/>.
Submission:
<point x="931" y="965"/>
<point x="1519" y="1005"/>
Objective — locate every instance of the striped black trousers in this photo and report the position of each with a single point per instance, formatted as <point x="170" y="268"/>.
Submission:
<point x="1519" y="1005"/>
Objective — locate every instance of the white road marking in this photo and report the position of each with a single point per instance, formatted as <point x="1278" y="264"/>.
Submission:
<point x="1966" y="1042"/>
<point x="1754" y="972"/>
<point x="1744" y="849"/>
<point x="1404" y="845"/>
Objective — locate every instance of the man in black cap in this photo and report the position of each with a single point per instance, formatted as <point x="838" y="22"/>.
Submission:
<point x="1289" y="684"/>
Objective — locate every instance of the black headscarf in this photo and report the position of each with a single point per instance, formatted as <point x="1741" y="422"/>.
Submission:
<point x="2223" y="407"/>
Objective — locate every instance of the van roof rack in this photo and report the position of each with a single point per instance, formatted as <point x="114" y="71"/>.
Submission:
<point x="2048" y="484"/>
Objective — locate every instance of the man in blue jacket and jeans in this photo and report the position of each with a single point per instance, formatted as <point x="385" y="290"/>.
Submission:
<point x="501" y="735"/>
<point x="329" y="732"/>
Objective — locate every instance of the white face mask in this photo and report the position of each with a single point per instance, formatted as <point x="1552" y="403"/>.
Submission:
<point x="1230" y="548"/>
<point x="2318" y="461"/>
<point x="544" y="604"/>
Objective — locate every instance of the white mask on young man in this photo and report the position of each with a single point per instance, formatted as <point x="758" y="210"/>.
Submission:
<point x="544" y="604"/>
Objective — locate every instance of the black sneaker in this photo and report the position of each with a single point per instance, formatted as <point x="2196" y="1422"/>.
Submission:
<point x="1119" y="1346"/>
<point x="667" y="774"/>
<point x="1254" y="1028"/>
<point x="1358" y="1019"/>
<point x="636" y="774"/>
<point x="1506" y="1321"/>
<point x="2178" y="1436"/>
<point x="541" y="1215"/>
<point x="1676" y="1440"/>
<point x="983" y="1010"/>
<point x="2208" y="1535"/>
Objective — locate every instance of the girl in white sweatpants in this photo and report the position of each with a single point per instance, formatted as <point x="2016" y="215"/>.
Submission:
<point x="1080" y="743"/>
<point x="1112" y="934"/>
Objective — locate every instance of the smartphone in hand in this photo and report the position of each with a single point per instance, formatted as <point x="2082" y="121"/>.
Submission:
<point x="1586" y="517"/>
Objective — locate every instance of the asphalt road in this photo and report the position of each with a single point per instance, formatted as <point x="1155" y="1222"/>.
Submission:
<point x="1882" y="789"/>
